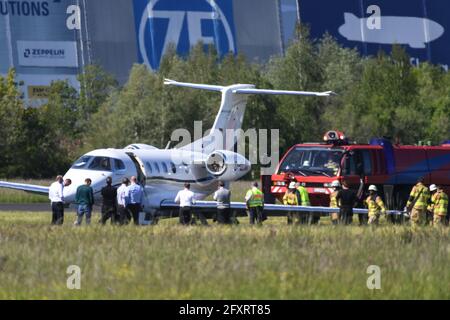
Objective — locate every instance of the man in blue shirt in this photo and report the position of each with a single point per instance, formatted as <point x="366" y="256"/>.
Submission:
<point x="136" y="198"/>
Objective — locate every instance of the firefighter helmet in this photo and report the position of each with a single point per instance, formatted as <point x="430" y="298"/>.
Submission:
<point x="335" y="184"/>
<point x="433" y="187"/>
<point x="373" y="188"/>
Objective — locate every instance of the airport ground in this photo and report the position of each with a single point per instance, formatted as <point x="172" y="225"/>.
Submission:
<point x="168" y="261"/>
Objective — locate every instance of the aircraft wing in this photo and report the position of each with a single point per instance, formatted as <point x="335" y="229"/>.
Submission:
<point x="285" y="92"/>
<point x="272" y="209"/>
<point x="25" y="187"/>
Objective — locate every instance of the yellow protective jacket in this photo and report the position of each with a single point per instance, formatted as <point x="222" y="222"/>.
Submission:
<point x="375" y="205"/>
<point x="333" y="200"/>
<point x="256" y="198"/>
<point x="304" y="196"/>
<point x="439" y="203"/>
<point x="290" y="198"/>
<point x="422" y="194"/>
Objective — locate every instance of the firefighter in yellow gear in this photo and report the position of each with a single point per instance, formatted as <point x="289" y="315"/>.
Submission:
<point x="254" y="199"/>
<point x="417" y="203"/>
<point x="439" y="206"/>
<point x="430" y="208"/>
<point x="290" y="198"/>
<point x="333" y="202"/>
<point x="303" y="200"/>
<point x="375" y="205"/>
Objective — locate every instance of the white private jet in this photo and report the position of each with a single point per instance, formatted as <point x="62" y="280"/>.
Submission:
<point x="163" y="172"/>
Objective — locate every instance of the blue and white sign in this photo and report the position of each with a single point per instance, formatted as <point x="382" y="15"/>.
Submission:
<point x="47" y="54"/>
<point x="421" y="26"/>
<point x="161" y="23"/>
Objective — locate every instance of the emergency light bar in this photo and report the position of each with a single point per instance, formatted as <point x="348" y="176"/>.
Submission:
<point x="334" y="136"/>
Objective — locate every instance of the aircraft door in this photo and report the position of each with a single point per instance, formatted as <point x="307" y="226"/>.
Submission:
<point x="140" y="168"/>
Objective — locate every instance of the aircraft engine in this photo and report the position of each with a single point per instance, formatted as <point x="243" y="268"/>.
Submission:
<point x="227" y="165"/>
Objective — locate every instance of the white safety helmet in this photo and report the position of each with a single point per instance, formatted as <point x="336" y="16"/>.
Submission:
<point x="292" y="185"/>
<point x="373" y="188"/>
<point x="433" y="187"/>
<point x="335" y="184"/>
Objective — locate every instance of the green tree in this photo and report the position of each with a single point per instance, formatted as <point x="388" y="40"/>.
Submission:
<point x="434" y="97"/>
<point x="299" y="69"/>
<point x="11" y="109"/>
<point x="384" y="101"/>
<point x="95" y="87"/>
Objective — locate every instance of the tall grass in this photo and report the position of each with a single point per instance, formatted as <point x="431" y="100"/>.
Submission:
<point x="168" y="261"/>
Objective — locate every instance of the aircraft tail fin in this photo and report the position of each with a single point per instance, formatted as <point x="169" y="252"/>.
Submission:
<point x="231" y="113"/>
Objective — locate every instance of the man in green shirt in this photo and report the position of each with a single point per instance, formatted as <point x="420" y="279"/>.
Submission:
<point x="85" y="200"/>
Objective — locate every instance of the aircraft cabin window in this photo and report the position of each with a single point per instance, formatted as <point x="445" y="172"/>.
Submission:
<point x="149" y="167"/>
<point x="119" y="164"/>
<point x="157" y="167"/>
<point x="173" y="167"/>
<point x="100" y="163"/>
<point x="164" y="166"/>
<point x="81" y="163"/>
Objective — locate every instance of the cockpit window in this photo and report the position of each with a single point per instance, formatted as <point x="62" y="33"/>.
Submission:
<point x="81" y="163"/>
<point x="100" y="163"/>
<point x="312" y="161"/>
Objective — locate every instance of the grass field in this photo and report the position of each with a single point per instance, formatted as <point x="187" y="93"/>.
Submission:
<point x="14" y="196"/>
<point x="168" y="261"/>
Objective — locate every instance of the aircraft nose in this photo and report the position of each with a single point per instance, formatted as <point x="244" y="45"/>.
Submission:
<point x="69" y="194"/>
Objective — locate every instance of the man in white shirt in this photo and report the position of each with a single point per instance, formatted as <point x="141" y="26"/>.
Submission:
<point x="123" y="199"/>
<point x="56" y="196"/>
<point x="186" y="198"/>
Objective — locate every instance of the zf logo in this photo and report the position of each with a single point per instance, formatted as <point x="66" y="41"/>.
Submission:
<point x="182" y="24"/>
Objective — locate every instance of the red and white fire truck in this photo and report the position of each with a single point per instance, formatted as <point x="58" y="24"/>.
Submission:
<point x="393" y="168"/>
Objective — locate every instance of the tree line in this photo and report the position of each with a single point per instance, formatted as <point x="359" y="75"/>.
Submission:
<point x="382" y="95"/>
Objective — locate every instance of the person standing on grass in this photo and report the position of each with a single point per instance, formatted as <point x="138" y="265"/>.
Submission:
<point x="56" y="196"/>
<point x="290" y="199"/>
<point x="346" y="200"/>
<point x="222" y="196"/>
<point x="123" y="199"/>
<point x="375" y="205"/>
<point x="186" y="198"/>
<point x="417" y="203"/>
<point x="85" y="200"/>
<point x="254" y="199"/>
<point x="109" y="208"/>
<point x="136" y="198"/>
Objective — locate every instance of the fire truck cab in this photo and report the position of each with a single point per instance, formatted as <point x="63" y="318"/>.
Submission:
<point x="393" y="168"/>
